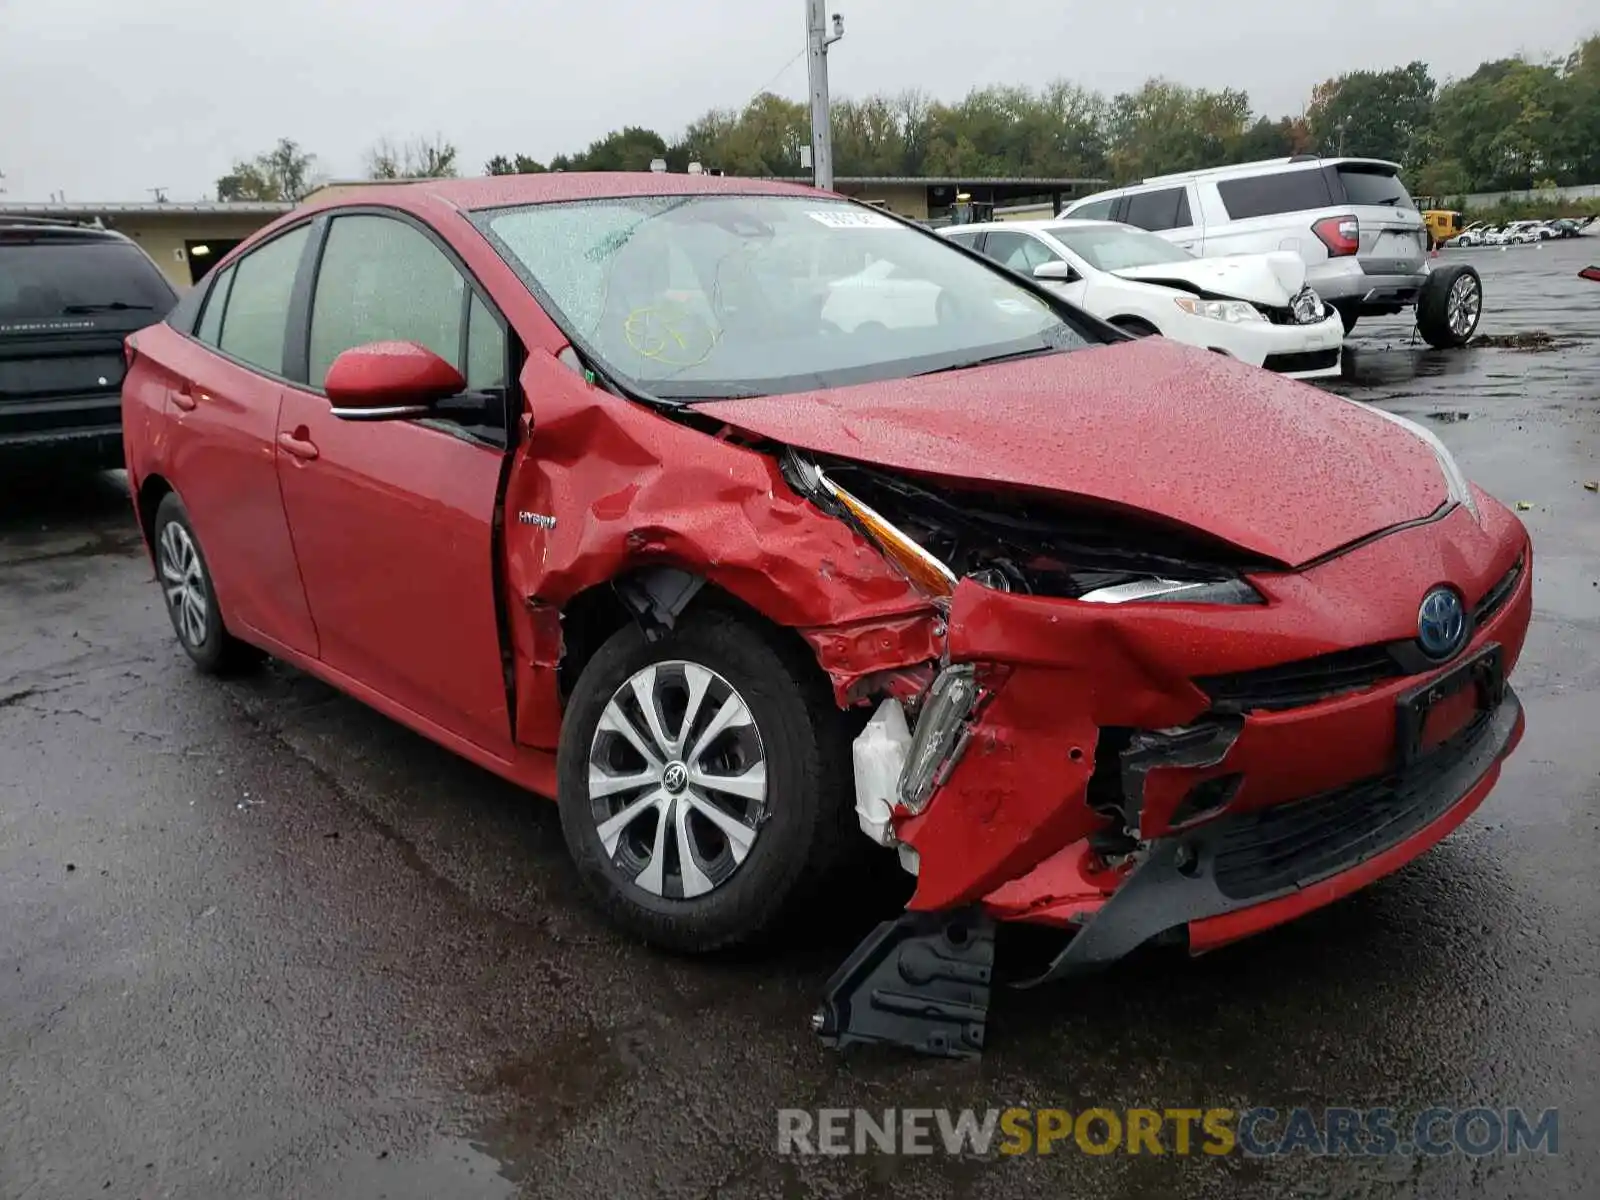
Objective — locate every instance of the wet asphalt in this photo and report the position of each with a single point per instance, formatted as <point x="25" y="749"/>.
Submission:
<point x="258" y="941"/>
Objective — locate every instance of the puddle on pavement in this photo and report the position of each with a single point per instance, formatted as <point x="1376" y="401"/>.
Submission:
<point x="1535" y="341"/>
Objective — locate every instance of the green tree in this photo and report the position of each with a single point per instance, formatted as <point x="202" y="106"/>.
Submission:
<point x="519" y="164"/>
<point x="1165" y="127"/>
<point x="1374" y="114"/>
<point x="631" y="148"/>
<point x="282" y="173"/>
<point x="419" y="158"/>
<point x="1501" y="124"/>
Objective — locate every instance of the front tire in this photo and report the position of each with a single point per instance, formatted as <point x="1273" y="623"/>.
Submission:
<point x="191" y="600"/>
<point x="1450" y="307"/>
<point x="704" y="781"/>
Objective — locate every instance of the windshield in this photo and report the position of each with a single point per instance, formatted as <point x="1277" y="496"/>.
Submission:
<point x="1115" y="248"/>
<point x="55" y="277"/>
<point x="700" y="297"/>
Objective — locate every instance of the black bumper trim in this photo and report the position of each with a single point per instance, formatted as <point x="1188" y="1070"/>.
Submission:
<point x="920" y="982"/>
<point x="1160" y="896"/>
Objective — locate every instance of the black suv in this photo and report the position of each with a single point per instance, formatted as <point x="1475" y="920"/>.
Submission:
<point x="69" y="294"/>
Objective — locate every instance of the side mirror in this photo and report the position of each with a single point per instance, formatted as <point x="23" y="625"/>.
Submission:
<point x="1057" y="271"/>
<point x="389" y="381"/>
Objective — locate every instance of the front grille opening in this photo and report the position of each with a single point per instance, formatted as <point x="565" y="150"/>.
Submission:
<point x="1294" y="684"/>
<point x="1302" y="360"/>
<point x="1309" y="680"/>
<point x="1495" y="598"/>
<point x="1272" y="850"/>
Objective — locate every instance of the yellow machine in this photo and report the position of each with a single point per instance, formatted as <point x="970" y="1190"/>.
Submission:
<point x="1443" y="224"/>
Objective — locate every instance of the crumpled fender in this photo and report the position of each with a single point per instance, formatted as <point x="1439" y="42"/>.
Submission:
<point x="610" y="486"/>
<point x="1020" y="792"/>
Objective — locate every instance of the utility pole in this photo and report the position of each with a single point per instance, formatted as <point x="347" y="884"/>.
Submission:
<point x="818" y="40"/>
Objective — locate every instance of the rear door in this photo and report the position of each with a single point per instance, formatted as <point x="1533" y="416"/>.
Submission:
<point x="1394" y="239"/>
<point x="224" y="387"/>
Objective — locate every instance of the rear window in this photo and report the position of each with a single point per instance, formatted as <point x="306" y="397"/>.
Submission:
<point x="1279" y="192"/>
<point x="58" y="277"/>
<point x="1373" y="185"/>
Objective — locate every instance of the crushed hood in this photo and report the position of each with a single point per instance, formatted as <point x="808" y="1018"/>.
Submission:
<point x="1275" y="467"/>
<point x="1260" y="278"/>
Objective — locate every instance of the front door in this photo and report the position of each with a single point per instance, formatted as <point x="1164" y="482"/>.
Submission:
<point x="394" y="521"/>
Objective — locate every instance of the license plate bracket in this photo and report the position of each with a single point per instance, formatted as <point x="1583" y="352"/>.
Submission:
<point x="1484" y="672"/>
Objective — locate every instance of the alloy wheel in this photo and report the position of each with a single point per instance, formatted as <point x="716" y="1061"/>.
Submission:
<point x="1461" y="309"/>
<point x="183" y="584"/>
<point x="677" y="779"/>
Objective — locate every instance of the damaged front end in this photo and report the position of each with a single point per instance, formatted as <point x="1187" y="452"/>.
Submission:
<point x="1030" y="741"/>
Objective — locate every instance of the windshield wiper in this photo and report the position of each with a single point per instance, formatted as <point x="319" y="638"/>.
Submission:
<point x="989" y="359"/>
<point x="114" y="306"/>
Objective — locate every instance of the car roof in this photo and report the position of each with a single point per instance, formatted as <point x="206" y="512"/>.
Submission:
<point x="505" y="191"/>
<point x="1266" y="166"/>
<point x="44" y="227"/>
<point x="1037" y="225"/>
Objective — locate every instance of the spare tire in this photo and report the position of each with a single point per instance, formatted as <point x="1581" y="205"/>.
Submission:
<point x="1450" y="307"/>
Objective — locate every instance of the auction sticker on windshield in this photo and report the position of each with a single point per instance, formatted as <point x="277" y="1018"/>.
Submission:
<point x="853" y="220"/>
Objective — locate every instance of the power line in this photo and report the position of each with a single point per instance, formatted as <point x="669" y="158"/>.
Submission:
<point x="777" y="75"/>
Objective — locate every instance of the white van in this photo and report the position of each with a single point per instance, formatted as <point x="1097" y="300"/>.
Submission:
<point x="1350" y="219"/>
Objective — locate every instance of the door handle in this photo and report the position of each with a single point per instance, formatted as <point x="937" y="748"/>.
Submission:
<point x="302" y="448"/>
<point x="184" y="399"/>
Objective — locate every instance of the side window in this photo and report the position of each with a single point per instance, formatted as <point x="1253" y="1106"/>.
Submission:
<point x="1279" y="192"/>
<point x="1156" y="210"/>
<point x="486" y="350"/>
<point x="969" y="240"/>
<point x="210" y="328"/>
<point x="1018" y="251"/>
<point x="1096" y="210"/>
<point x="1185" y="218"/>
<point x="382" y="281"/>
<point x="256" y="318"/>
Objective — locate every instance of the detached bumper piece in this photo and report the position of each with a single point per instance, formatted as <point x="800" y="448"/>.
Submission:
<point x="920" y="982"/>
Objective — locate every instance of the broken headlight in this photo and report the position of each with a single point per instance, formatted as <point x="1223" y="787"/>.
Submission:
<point x="1023" y="543"/>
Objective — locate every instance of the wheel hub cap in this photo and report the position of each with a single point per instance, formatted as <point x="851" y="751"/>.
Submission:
<point x="1462" y="308"/>
<point x="677" y="780"/>
<point x="183" y="584"/>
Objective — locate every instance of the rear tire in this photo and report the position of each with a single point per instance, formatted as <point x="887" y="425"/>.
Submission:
<point x="190" y="598"/>
<point x="725" y="836"/>
<point x="1450" y="307"/>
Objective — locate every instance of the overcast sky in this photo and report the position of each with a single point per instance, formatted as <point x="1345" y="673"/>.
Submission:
<point x="104" y="99"/>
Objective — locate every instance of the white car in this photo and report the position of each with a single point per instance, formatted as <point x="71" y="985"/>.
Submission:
<point x="1522" y="233"/>
<point x="1254" y="307"/>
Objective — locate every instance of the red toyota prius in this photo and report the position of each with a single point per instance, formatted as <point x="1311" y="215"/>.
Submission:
<point x="752" y="525"/>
